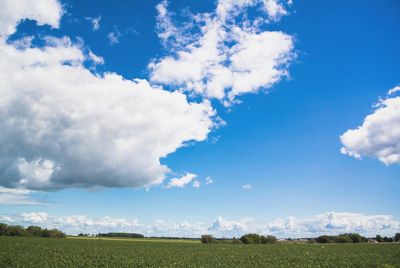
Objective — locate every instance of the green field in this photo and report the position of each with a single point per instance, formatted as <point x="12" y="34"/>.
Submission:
<point x="47" y="252"/>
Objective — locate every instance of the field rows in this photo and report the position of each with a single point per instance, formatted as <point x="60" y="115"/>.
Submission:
<point x="46" y="252"/>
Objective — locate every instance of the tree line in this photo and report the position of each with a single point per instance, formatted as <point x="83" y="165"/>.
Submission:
<point x="270" y="239"/>
<point x="126" y="235"/>
<point x="17" y="230"/>
<point x="244" y="239"/>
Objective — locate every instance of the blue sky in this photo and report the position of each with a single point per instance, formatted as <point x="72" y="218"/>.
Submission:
<point x="282" y="140"/>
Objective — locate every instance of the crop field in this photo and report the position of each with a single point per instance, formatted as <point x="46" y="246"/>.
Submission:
<point x="45" y="252"/>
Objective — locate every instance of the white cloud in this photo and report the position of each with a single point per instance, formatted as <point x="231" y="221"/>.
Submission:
<point x="226" y="58"/>
<point x="11" y="196"/>
<point x="330" y="223"/>
<point x="114" y="36"/>
<point x="182" y="181"/>
<point x="209" y="181"/>
<point x="97" y="60"/>
<point x="196" y="184"/>
<point x="275" y="9"/>
<point x="64" y="126"/>
<point x="247" y="186"/>
<point x="379" y="135"/>
<point x="13" y="12"/>
<point x="95" y="21"/>
<point x="394" y="90"/>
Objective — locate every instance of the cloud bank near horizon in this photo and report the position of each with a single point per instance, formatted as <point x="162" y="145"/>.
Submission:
<point x="327" y="223"/>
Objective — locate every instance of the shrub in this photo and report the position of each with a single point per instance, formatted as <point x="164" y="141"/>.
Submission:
<point x="397" y="237"/>
<point x="251" y="239"/>
<point x="269" y="239"/>
<point x="207" y="239"/>
<point x="16" y="230"/>
<point x="3" y="229"/>
<point x="34" y="231"/>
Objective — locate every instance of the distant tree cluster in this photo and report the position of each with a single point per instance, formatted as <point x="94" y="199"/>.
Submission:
<point x="17" y="230"/>
<point x="258" y="239"/>
<point x="342" y="238"/>
<point x="381" y="239"/>
<point x="125" y="235"/>
<point x="245" y="239"/>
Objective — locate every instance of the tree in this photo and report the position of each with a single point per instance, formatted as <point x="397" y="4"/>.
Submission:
<point x="269" y="239"/>
<point x="3" y="229"/>
<point x="207" y="239"/>
<point x="53" y="233"/>
<point x="251" y="239"/>
<point x="397" y="237"/>
<point x="34" y="231"/>
<point x="356" y="238"/>
<point x="323" y="239"/>
<point x="379" y="238"/>
<point x="16" y="230"/>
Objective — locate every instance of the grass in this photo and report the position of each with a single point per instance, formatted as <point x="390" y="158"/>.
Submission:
<point x="90" y="252"/>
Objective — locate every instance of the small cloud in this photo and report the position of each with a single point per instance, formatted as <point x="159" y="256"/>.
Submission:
<point x="209" y="181"/>
<point x="247" y="186"/>
<point x="196" y="184"/>
<point x="97" y="60"/>
<point x="182" y="181"/>
<point x="95" y="21"/>
<point x="114" y="36"/>
<point x="394" y="90"/>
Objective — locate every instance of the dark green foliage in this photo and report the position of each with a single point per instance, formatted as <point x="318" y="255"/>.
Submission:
<point x="53" y="233"/>
<point x="379" y="238"/>
<point x="16" y="230"/>
<point x="397" y="237"/>
<point x="251" y="239"/>
<point x="127" y="235"/>
<point x="387" y="239"/>
<point x="269" y="239"/>
<point x="3" y="229"/>
<point x="343" y="238"/>
<point x="34" y="231"/>
<point x="323" y="239"/>
<point x="207" y="239"/>
<point x="258" y="239"/>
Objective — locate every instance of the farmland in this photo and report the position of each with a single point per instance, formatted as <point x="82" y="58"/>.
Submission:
<point x="92" y="252"/>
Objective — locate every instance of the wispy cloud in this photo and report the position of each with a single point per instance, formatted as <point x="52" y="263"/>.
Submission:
<point x="181" y="182"/>
<point x="95" y="21"/>
<point x="247" y="186"/>
<point x="114" y="36"/>
<point x="11" y="196"/>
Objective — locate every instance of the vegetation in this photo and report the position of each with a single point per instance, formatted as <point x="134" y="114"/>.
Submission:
<point x="343" y="238"/>
<point x="397" y="237"/>
<point x="207" y="239"/>
<point x="258" y="239"/>
<point x="111" y="252"/>
<point x="17" y="230"/>
<point x="127" y="235"/>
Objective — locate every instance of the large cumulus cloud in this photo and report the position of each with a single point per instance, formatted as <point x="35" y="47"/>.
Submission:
<point x="379" y="135"/>
<point x="64" y="126"/>
<point x="224" y="54"/>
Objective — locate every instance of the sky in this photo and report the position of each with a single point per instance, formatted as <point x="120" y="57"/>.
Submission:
<point x="179" y="118"/>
